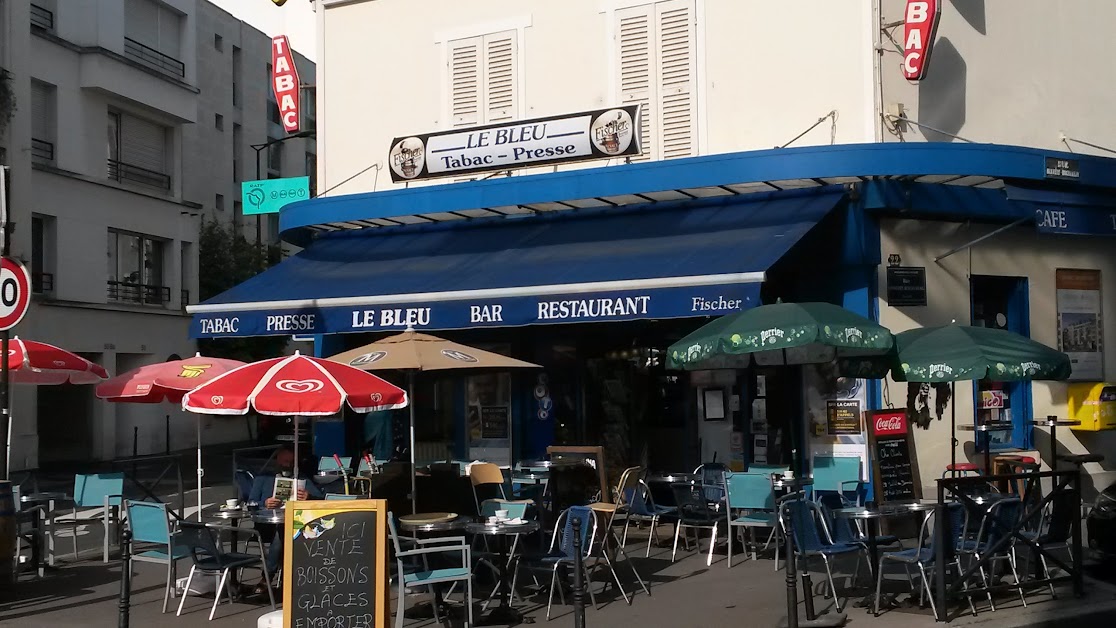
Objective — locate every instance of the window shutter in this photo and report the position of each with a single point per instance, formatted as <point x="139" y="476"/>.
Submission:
<point x="170" y="24"/>
<point x="42" y="111"/>
<point x="464" y="77"/>
<point x="143" y="144"/>
<point x="141" y="22"/>
<point x="500" y="77"/>
<point x="675" y="79"/>
<point x="635" y="38"/>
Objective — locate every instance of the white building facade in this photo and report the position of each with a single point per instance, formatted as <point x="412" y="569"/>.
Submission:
<point x="716" y="77"/>
<point x="117" y="153"/>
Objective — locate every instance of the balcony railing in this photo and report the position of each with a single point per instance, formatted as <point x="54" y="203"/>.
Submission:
<point x="153" y="58"/>
<point x="42" y="283"/>
<point x="120" y="171"/>
<point x="42" y="151"/>
<point x="138" y="293"/>
<point x="42" y="18"/>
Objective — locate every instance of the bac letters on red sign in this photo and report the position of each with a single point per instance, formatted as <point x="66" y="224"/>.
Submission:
<point x="284" y="80"/>
<point x="889" y="424"/>
<point x="920" y="23"/>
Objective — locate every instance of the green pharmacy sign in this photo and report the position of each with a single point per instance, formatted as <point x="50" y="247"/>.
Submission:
<point x="271" y="195"/>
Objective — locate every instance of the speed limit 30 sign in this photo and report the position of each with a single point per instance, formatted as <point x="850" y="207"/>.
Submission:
<point x="15" y="292"/>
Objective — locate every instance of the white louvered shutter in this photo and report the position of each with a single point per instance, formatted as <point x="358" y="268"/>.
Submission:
<point x="675" y="72"/>
<point x="143" y="144"/>
<point x="635" y="36"/>
<point x="464" y="82"/>
<point x="500" y="77"/>
<point x="42" y="112"/>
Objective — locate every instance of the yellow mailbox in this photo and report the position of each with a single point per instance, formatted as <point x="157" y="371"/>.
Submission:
<point x="1094" y="404"/>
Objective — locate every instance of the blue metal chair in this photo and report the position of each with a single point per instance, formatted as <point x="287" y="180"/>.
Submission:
<point x="561" y="551"/>
<point x="843" y="530"/>
<point x="242" y="481"/>
<point x="996" y="522"/>
<point x="711" y="476"/>
<point x="151" y="525"/>
<point x="99" y="490"/>
<point x="413" y="574"/>
<point x="803" y="519"/>
<point x="642" y="508"/>
<point x="752" y="494"/>
<point x="694" y="513"/>
<point x="923" y="556"/>
<point x="204" y="547"/>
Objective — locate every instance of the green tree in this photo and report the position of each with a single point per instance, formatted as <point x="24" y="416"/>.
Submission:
<point x="7" y="99"/>
<point x="226" y="259"/>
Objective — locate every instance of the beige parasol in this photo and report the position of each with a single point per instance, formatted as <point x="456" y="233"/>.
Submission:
<point x="411" y="351"/>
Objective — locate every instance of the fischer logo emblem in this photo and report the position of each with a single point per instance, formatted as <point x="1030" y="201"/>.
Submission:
<point x="920" y="26"/>
<point x="891" y="425"/>
<point x="771" y="334"/>
<point x="368" y="358"/>
<point x="461" y="356"/>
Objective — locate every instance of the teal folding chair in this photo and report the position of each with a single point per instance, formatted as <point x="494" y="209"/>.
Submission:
<point x="99" y="490"/>
<point x="751" y="505"/>
<point x="339" y="496"/>
<point x="153" y="536"/>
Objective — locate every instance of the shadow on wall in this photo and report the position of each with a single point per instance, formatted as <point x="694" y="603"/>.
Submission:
<point x="941" y="95"/>
<point x="973" y="12"/>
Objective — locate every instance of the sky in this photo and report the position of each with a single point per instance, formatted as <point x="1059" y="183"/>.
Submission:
<point x="295" y="19"/>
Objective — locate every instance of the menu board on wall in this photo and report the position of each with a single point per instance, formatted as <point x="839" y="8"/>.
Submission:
<point x="1080" y="325"/>
<point x="494" y="422"/>
<point x="894" y="463"/>
<point x="842" y="416"/>
<point x="335" y="564"/>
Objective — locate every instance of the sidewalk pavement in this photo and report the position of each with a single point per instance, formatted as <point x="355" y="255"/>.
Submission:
<point x="685" y="594"/>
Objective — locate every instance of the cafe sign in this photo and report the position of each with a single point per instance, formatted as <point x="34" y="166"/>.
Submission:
<point x="597" y="134"/>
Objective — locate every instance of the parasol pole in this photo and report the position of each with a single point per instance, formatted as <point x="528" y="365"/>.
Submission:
<point x="953" y="428"/>
<point x="197" y="423"/>
<point x="296" y="439"/>
<point x="411" y="411"/>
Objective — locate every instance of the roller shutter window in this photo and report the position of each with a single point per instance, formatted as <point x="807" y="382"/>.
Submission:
<point x="143" y="144"/>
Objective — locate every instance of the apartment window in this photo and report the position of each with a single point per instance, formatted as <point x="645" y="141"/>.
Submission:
<point x="483" y="79"/>
<point x="312" y="172"/>
<point x="135" y="269"/>
<point x="219" y="202"/>
<point x="655" y="59"/>
<point x="44" y="121"/>
<point x="238" y="64"/>
<point x="42" y="14"/>
<point x="238" y="149"/>
<point x="218" y="42"/>
<point x="219" y="121"/>
<point x="309" y="109"/>
<point x="137" y="151"/>
<point x="238" y="210"/>
<point x="275" y="158"/>
<point x="272" y="105"/>
<point x="42" y="239"/>
<point x="153" y="36"/>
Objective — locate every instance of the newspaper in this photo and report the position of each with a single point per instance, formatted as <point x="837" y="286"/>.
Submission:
<point x="285" y="488"/>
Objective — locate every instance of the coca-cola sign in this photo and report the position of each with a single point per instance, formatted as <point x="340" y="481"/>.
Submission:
<point x="889" y="424"/>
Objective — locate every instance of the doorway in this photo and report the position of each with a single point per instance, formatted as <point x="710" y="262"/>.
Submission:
<point x="64" y="419"/>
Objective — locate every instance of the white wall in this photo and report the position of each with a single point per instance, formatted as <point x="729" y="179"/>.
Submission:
<point x="765" y="72"/>
<point x="1012" y="72"/>
<point x="1020" y="252"/>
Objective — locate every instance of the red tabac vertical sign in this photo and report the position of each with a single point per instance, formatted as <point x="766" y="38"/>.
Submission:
<point x="284" y="80"/>
<point x="920" y="25"/>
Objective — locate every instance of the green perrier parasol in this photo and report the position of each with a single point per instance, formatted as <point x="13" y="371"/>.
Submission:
<point x="780" y="334"/>
<point x="955" y="353"/>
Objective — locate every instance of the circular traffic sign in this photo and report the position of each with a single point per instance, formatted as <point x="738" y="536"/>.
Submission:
<point x="15" y="292"/>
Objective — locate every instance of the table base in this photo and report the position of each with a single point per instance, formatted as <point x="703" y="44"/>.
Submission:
<point x="501" y="616"/>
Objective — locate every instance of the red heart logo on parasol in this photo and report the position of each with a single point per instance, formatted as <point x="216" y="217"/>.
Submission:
<point x="300" y="386"/>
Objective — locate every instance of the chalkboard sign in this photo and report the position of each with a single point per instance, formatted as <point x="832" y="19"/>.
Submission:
<point x="894" y="463"/>
<point x="494" y="422"/>
<point x="335" y="564"/>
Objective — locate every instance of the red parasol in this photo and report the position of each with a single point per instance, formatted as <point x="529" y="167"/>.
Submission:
<point x="31" y="362"/>
<point x="167" y="381"/>
<point x="295" y="385"/>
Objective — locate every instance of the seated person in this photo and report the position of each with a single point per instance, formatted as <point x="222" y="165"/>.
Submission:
<point x="262" y="493"/>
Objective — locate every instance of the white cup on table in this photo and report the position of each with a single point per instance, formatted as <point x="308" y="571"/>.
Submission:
<point x="232" y="504"/>
<point x="501" y="515"/>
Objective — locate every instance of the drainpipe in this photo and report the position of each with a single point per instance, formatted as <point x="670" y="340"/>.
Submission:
<point x="877" y="70"/>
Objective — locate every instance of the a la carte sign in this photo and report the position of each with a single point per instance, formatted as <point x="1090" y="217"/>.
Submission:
<point x="284" y="80"/>
<point x="598" y="134"/>
<point x="920" y="26"/>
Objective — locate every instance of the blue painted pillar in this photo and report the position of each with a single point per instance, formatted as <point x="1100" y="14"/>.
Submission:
<point x="328" y="435"/>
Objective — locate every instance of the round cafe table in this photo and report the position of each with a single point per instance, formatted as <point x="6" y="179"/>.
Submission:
<point x="1053" y="422"/>
<point x="659" y="485"/>
<point x="872" y="517"/>
<point x="503" y="614"/>
<point x="432" y="522"/>
<point x="987" y="429"/>
<point x="274" y="516"/>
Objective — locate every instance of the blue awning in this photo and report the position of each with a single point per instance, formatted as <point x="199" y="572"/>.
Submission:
<point x="693" y="259"/>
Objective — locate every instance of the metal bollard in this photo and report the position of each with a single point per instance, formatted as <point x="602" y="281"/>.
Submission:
<point x="579" y="570"/>
<point x="125" y="579"/>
